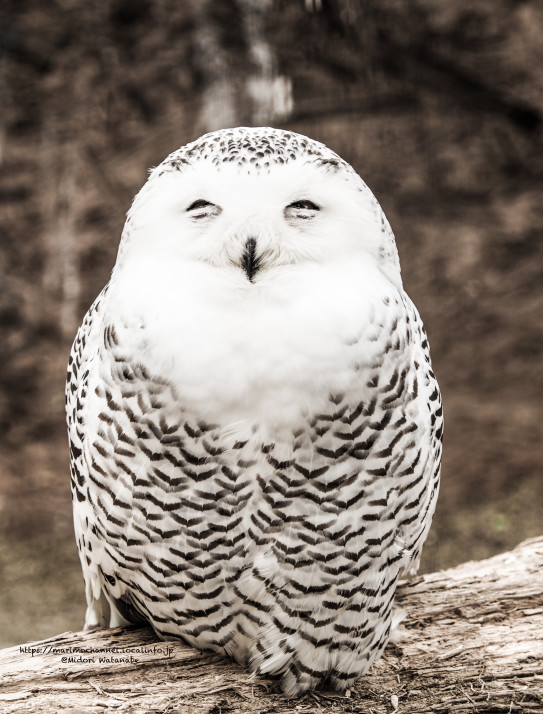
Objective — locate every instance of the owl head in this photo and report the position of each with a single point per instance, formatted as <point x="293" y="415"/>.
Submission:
<point x="250" y="201"/>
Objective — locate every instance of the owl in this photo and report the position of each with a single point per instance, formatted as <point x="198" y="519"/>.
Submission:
<point x="254" y="423"/>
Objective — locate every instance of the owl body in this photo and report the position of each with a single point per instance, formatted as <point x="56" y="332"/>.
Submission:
<point x="254" y="422"/>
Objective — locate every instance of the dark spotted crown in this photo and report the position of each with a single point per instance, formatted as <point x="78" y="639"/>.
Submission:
<point x="259" y="148"/>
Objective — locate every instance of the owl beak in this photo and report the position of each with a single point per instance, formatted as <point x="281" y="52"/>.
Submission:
<point x="250" y="261"/>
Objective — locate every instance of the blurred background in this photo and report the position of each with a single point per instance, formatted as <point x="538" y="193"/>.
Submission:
<point x="437" y="105"/>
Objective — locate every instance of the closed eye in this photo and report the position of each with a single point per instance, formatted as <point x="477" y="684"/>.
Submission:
<point x="301" y="210"/>
<point x="304" y="205"/>
<point x="203" y="209"/>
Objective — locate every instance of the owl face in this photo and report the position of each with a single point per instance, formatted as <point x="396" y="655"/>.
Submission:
<point x="236" y="208"/>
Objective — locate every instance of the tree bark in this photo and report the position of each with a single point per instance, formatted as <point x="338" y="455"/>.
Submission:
<point x="473" y="642"/>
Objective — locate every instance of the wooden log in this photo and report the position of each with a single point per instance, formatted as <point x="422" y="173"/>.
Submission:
<point x="473" y="642"/>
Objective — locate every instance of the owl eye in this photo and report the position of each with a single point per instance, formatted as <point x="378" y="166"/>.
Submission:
<point x="303" y="209"/>
<point x="203" y="209"/>
<point x="305" y="204"/>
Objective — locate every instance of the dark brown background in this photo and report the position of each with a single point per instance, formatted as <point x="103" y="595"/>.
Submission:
<point x="439" y="107"/>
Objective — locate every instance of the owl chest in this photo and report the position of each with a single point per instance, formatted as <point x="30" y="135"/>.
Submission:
<point x="277" y="369"/>
<point x="270" y="353"/>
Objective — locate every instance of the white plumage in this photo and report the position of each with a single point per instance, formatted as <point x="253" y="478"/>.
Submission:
<point x="255" y="427"/>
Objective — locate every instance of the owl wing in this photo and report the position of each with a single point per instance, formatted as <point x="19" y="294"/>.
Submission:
<point x="422" y="476"/>
<point x="79" y="384"/>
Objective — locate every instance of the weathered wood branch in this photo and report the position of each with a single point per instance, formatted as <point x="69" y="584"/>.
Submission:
<point x="473" y="643"/>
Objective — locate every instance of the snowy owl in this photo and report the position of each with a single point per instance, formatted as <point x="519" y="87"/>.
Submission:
<point x="255" y="426"/>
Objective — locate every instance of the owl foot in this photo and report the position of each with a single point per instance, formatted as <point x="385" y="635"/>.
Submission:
<point x="397" y="634"/>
